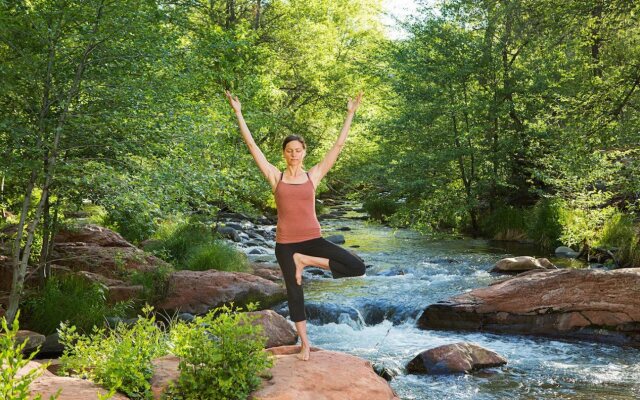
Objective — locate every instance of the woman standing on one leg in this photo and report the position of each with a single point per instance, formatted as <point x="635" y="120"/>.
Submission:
<point x="299" y="242"/>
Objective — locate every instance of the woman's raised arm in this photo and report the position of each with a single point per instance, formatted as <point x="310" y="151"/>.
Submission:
<point x="318" y="171"/>
<point x="268" y="169"/>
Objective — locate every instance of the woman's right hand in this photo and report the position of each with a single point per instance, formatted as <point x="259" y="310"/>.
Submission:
<point x="234" y="102"/>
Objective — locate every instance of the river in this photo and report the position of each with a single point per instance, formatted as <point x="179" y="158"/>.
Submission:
<point x="374" y="317"/>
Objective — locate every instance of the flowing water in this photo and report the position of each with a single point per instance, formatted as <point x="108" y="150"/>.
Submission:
<point x="374" y="318"/>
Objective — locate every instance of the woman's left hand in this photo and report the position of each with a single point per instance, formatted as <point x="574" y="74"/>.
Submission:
<point x="353" y="104"/>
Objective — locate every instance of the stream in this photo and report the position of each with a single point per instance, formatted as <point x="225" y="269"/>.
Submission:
<point x="374" y="317"/>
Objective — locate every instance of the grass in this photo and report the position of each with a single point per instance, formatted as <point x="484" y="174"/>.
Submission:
<point x="72" y="299"/>
<point x="195" y="246"/>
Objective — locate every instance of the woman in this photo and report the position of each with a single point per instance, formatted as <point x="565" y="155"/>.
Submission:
<point x="298" y="239"/>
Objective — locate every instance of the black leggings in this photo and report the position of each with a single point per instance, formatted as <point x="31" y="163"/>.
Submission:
<point x="341" y="262"/>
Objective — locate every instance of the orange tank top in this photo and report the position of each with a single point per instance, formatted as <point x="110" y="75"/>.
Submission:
<point x="296" y="204"/>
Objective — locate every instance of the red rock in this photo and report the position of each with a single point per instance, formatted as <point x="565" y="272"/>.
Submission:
<point x="124" y="293"/>
<point x="197" y="292"/>
<point x="165" y="371"/>
<point x="275" y="327"/>
<point x="110" y="262"/>
<point x="92" y="234"/>
<point x="270" y="274"/>
<point x="71" y="388"/>
<point x="328" y="375"/>
<point x="455" y="358"/>
<point x="584" y="304"/>
<point x="93" y="277"/>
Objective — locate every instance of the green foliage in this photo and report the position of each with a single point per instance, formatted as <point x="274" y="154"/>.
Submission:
<point x="13" y="387"/>
<point x="619" y="232"/>
<point x="216" y="255"/>
<point x="506" y="223"/>
<point x="546" y="224"/>
<point x="221" y="356"/>
<point x="71" y="299"/>
<point x="380" y="208"/>
<point x="584" y="225"/>
<point x="118" y="359"/>
<point x="183" y="240"/>
<point x="194" y="246"/>
<point x="155" y="283"/>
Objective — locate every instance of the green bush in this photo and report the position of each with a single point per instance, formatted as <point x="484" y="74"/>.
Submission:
<point x="546" y="223"/>
<point x="216" y="255"/>
<point x="584" y="225"/>
<point x="194" y="246"/>
<point x="620" y="232"/>
<point x="132" y="215"/>
<point x="181" y="241"/>
<point x="380" y="208"/>
<point x="73" y="299"/>
<point x="11" y="361"/>
<point x="222" y="355"/>
<point x="119" y="359"/>
<point x="155" y="283"/>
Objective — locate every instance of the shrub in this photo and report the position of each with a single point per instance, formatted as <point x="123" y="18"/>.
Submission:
<point x="73" y="299"/>
<point x="119" y="359"/>
<point x="380" y="208"/>
<point x="545" y="226"/>
<point x="584" y="225"/>
<point x="620" y="232"/>
<point x="155" y="283"/>
<point x="194" y="246"/>
<point x="216" y="255"/>
<point x="183" y="240"/>
<point x="11" y="360"/>
<point x="221" y="356"/>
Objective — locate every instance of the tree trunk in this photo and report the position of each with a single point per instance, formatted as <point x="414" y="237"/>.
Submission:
<point x="596" y="40"/>
<point x="20" y="261"/>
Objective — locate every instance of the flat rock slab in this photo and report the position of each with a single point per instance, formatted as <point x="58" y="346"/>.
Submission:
<point x="197" y="292"/>
<point x="328" y="375"/>
<point x="581" y="304"/>
<point x="455" y="358"/>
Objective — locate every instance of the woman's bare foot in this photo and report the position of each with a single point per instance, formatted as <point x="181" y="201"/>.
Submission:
<point x="297" y="259"/>
<point x="305" y="350"/>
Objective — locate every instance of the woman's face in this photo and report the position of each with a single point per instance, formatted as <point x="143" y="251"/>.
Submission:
<point x="294" y="153"/>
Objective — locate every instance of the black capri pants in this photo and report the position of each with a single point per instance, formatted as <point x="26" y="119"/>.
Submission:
<point x="341" y="262"/>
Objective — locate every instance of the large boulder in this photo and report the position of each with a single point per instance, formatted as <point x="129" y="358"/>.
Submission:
<point x="99" y="250"/>
<point x="92" y="234"/>
<point x="522" y="263"/>
<point x="455" y="358"/>
<point x="582" y="304"/>
<point x="328" y="375"/>
<point x="275" y="327"/>
<point x="197" y="292"/>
